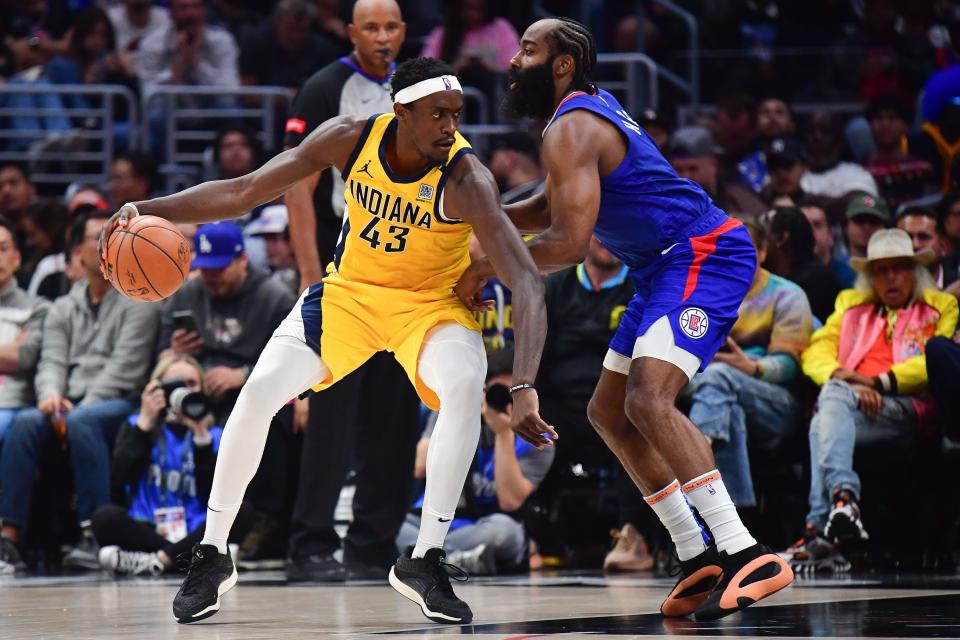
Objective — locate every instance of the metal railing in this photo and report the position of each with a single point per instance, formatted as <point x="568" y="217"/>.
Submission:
<point x="183" y="120"/>
<point x="690" y="85"/>
<point x="633" y="66"/>
<point x="82" y="153"/>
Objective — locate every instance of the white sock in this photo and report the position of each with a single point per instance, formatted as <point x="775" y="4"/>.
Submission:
<point x="671" y="507"/>
<point x="286" y="367"/>
<point x="453" y="364"/>
<point x="709" y="497"/>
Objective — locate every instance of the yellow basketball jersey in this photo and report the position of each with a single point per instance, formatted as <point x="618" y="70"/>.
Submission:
<point x="394" y="231"/>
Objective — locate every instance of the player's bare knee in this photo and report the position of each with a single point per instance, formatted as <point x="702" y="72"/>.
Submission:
<point x="603" y="419"/>
<point x="647" y="407"/>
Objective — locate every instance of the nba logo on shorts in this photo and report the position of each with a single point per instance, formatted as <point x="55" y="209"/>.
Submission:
<point x="694" y="322"/>
<point x="426" y="192"/>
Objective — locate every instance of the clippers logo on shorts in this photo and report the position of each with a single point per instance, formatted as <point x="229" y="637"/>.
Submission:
<point x="694" y="322"/>
<point x="426" y="192"/>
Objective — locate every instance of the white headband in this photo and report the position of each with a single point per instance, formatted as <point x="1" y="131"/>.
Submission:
<point x="426" y="87"/>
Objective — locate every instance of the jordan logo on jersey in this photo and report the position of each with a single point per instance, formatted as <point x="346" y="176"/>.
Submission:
<point x="365" y="169"/>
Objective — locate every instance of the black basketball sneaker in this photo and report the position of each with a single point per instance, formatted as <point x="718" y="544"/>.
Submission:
<point x="211" y="574"/>
<point x="426" y="582"/>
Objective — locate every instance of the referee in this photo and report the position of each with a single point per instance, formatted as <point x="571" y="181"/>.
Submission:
<point x="343" y="422"/>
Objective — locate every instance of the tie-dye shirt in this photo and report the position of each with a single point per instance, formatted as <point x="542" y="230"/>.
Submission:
<point x="775" y="318"/>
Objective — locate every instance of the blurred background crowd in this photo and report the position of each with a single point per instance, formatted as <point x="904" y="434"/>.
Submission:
<point x="830" y="127"/>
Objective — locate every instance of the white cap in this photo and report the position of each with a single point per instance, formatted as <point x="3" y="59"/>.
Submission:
<point x="273" y="219"/>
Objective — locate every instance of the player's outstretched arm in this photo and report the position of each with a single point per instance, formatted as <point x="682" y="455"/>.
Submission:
<point x="329" y="144"/>
<point x="472" y="196"/>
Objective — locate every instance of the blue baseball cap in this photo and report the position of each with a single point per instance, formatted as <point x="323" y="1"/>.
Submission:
<point x="216" y="245"/>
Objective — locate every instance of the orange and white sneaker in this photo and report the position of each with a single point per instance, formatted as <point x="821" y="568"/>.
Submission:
<point x="698" y="577"/>
<point x="748" y="577"/>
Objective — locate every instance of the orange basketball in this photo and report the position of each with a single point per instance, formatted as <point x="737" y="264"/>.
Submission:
<point x="148" y="259"/>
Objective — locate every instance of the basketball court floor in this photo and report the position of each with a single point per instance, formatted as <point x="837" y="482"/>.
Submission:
<point x="539" y="606"/>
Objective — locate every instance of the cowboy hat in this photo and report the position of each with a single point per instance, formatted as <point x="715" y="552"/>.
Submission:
<point x="891" y="243"/>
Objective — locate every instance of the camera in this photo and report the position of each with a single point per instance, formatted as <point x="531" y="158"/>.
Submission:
<point x="498" y="397"/>
<point x="192" y="404"/>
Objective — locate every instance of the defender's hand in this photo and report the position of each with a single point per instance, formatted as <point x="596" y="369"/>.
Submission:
<point x="469" y="289"/>
<point x="526" y="421"/>
<point x="121" y="218"/>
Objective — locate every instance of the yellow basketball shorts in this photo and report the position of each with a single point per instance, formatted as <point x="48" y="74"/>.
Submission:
<point x="347" y="322"/>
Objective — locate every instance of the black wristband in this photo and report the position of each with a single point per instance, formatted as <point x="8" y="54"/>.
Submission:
<point x="518" y="387"/>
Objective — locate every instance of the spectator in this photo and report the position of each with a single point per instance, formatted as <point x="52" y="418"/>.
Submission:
<point x="736" y="132"/>
<point x="949" y="218"/>
<point x="92" y="57"/>
<point x="57" y="274"/>
<point x="163" y="465"/>
<point x="869" y="362"/>
<point x="40" y="120"/>
<point x="44" y="230"/>
<point x="80" y="199"/>
<point x="79" y="194"/>
<point x="937" y="140"/>
<point x="16" y="194"/>
<point x="787" y="164"/>
<point x="775" y="119"/>
<point x="329" y="24"/>
<point x="134" y="20"/>
<point x="132" y="178"/>
<point x="472" y="35"/>
<point x="271" y="229"/>
<point x="865" y="215"/>
<point x="236" y="151"/>
<point x="790" y="255"/>
<point x="584" y="307"/>
<point x="824" y="240"/>
<point x="95" y="353"/>
<point x="515" y="163"/>
<point x="224" y="318"/>
<point x="284" y="51"/>
<point x="486" y="536"/>
<point x="899" y="175"/>
<point x="828" y="175"/>
<point x="655" y="125"/>
<point x="920" y="223"/>
<point x="943" y="371"/>
<point x="694" y="156"/>
<point x="235" y="310"/>
<point x="21" y="324"/>
<point x="748" y="392"/>
<point x="187" y="51"/>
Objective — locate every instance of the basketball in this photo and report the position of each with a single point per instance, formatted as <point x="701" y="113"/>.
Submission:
<point x="148" y="259"/>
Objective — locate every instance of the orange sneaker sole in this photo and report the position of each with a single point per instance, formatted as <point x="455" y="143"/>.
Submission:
<point x="677" y="606"/>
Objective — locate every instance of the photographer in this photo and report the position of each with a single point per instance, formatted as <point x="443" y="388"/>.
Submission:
<point x="163" y="468"/>
<point x="486" y="537"/>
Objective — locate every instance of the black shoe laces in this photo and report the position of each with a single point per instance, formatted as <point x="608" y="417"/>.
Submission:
<point x="189" y="561"/>
<point x="444" y="571"/>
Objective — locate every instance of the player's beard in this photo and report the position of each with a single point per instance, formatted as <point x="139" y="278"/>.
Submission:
<point x="533" y="95"/>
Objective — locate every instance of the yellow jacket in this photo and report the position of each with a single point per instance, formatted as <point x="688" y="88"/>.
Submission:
<point x="855" y="325"/>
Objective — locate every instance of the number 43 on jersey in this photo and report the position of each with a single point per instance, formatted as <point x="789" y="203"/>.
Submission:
<point x="371" y="234"/>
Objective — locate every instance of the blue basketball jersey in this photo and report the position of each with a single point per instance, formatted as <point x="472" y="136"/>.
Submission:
<point x="645" y="207"/>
